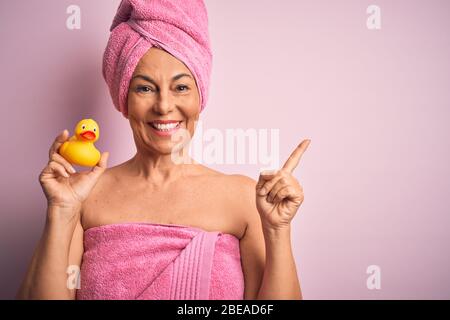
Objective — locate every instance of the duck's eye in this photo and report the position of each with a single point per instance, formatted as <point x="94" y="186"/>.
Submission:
<point x="95" y="129"/>
<point x="83" y="127"/>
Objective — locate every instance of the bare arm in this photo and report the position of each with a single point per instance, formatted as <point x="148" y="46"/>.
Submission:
<point x="268" y="264"/>
<point x="278" y="198"/>
<point x="253" y="258"/>
<point x="60" y="246"/>
<point x="267" y="259"/>
<point x="280" y="280"/>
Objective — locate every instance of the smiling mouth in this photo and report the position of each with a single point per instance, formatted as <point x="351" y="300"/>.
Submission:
<point x="165" y="127"/>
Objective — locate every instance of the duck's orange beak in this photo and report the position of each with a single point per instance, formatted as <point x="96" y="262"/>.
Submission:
<point x="88" y="135"/>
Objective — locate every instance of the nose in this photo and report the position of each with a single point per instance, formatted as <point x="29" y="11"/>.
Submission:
<point x="164" y="103"/>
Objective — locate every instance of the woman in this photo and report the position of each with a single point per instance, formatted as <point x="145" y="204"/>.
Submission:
<point x="152" y="227"/>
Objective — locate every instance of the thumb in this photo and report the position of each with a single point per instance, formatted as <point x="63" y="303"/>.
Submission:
<point x="101" y="165"/>
<point x="265" y="176"/>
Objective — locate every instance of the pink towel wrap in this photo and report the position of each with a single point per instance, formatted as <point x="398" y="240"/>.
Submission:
<point x="178" y="27"/>
<point x="135" y="261"/>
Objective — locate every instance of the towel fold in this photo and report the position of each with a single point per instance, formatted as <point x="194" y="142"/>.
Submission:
<point x="160" y="262"/>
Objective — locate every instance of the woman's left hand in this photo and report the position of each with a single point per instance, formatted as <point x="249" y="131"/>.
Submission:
<point x="279" y="194"/>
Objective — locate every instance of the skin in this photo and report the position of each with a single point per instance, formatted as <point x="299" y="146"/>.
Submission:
<point x="151" y="187"/>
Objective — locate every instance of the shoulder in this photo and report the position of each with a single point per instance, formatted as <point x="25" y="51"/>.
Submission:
<point x="239" y="187"/>
<point x="242" y="181"/>
<point x="242" y="184"/>
<point x="237" y="180"/>
<point x="236" y="183"/>
<point x="236" y="191"/>
<point x="240" y="193"/>
<point x="243" y="188"/>
<point x="240" y="196"/>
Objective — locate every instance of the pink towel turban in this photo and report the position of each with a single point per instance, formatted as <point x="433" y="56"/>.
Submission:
<point x="178" y="27"/>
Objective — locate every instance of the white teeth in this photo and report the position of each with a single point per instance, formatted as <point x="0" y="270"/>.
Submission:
<point x="165" y="127"/>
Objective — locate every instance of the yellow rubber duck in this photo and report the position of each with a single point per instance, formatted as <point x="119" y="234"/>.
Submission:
<point x="80" y="149"/>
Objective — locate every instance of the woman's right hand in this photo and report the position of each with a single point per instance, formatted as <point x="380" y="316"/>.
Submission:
<point x="64" y="188"/>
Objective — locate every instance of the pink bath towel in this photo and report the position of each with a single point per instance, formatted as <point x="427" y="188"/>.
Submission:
<point x="160" y="261"/>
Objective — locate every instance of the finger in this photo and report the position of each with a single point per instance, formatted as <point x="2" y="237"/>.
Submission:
<point x="60" y="159"/>
<point x="58" y="168"/>
<point x="102" y="164"/>
<point x="58" y="142"/>
<point x="277" y="187"/>
<point x="295" y="156"/>
<point x="265" y="176"/>
<point x="268" y="185"/>
<point x="282" y="194"/>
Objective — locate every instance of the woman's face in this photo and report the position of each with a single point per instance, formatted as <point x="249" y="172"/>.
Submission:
<point x="162" y="89"/>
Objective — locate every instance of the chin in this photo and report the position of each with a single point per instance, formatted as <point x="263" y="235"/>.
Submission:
<point x="168" y="147"/>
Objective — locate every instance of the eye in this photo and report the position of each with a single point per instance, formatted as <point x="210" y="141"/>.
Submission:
<point x="83" y="127"/>
<point x="182" y="86"/>
<point x="143" y="89"/>
<point x="95" y="129"/>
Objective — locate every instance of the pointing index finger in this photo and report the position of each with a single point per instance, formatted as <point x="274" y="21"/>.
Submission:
<point x="296" y="155"/>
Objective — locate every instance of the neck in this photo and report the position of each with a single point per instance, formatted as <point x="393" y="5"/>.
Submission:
<point x="158" y="169"/>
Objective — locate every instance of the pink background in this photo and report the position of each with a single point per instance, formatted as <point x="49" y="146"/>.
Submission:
<point x="374" y="103"/>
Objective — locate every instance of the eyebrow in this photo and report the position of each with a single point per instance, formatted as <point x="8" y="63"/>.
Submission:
<point x="148" y="79"/>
